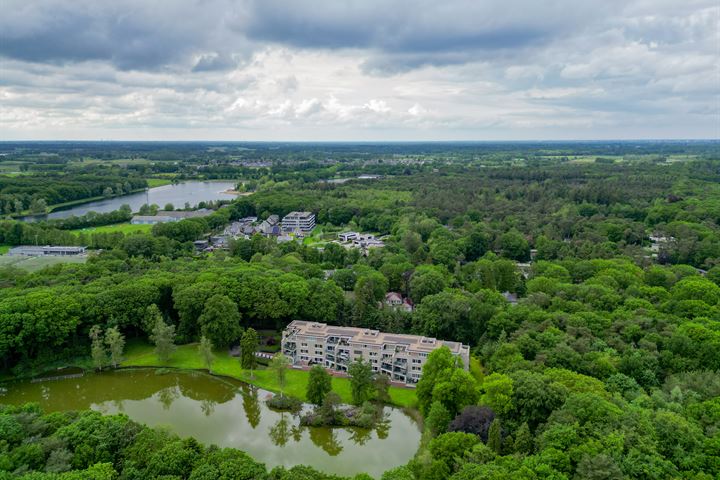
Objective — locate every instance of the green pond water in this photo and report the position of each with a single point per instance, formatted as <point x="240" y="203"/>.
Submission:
<point x="228" y="414"/>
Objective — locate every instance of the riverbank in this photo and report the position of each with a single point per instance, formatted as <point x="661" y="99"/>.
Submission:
<point x="187" y="357"/>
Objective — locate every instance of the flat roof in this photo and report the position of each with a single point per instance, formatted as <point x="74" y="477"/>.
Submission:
<point x="374" y="337"/>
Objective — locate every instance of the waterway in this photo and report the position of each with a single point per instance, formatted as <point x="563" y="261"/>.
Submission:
<point x="192" y="192"/>
<point x="227" y="413"/>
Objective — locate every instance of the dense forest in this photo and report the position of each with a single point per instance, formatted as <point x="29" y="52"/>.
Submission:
<point x="38" y="191"/>
<point x="605" y="367"/>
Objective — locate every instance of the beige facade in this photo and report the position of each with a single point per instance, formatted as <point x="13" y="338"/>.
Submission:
<point x="401" y="357"/>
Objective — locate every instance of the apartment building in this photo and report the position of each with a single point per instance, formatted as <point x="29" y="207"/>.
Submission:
<point x="298" y="221"/>
<point x="401" y="357"/>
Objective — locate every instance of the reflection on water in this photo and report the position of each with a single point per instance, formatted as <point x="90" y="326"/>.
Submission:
<point x="191" y="193"/>
<point x="229" y="414"/>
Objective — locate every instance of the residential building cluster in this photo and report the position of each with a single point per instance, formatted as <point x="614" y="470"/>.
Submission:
<point x="399" y="356"/>
<point x="362" y="241"/>
<point x="292" y="226"/>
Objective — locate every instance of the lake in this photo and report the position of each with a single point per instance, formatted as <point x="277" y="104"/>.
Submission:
<point x="227" y="413"/>
<point x="191" y="192"/>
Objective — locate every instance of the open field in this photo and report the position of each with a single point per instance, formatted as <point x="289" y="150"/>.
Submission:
<point x="186" y="356"/>
<point x="125" y="228"/>
<point x="33" y="264"/>
<point x="158" y="182"/>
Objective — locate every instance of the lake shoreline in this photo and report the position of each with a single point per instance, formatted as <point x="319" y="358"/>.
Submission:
<point x="192" y="192"/>
<point x="225" y="411"/>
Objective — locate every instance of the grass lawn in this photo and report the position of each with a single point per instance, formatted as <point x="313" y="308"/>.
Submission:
<point x="158" y="182"/>
<point x="186" y="356"/>
<point x="4" y="249"/>
<point x="125" y="228"/>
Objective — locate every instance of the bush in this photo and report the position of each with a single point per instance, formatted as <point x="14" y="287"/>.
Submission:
<point x="284" y="402"/>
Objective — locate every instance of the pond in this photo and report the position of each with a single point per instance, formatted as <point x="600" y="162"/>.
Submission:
<point x="190" y="192"/>
<point x="228" y="413"/>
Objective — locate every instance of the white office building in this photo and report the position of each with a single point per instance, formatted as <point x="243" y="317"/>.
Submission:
<point x="298" y="221"/>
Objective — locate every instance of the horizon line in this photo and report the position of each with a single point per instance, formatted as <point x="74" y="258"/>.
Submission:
<point x="549" y="140"/>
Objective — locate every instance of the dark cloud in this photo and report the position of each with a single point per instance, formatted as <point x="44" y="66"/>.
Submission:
<point x="131" y="35"/>
<point x="206" y="35"/>
<point x="293" y="64"/>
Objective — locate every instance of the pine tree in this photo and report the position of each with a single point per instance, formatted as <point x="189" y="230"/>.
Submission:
<point x="495" y="437"/>
<point x="523" y="440"/>
<point x="248" y="347"/>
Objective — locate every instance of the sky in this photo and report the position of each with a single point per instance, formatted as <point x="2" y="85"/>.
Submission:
<point x="359" y="70"/>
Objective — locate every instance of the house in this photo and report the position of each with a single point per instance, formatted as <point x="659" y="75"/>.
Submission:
<point x="401" y="357"/>
<point x="47" y="250"/>
<point x="201" y="245"/>
<point x="221" y="241"/>
<point x="393" y="299"/>
<point x="298" y="221"/>
<point x="367" y="241"/>
<point x="510" y="297"/>
<point x="348" y="236"/>
<point x="396" y="301"/>
<point x="407" y="305"/>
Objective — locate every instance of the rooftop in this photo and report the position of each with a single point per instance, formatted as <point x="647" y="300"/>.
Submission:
<point x="375" y="337"/>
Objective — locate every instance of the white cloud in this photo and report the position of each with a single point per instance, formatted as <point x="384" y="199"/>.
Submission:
<point x="436" y="72"/>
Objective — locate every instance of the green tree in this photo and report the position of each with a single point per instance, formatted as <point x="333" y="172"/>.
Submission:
<point x="439" y="365"/>
<point x="437" y="419"/>
<point x="279" y="364"/>
<point x="205" y="349"/>
<point x="497" y="393"/>
<point x="449" y="447"/>
<point x="319" y="385"/>
<point x="514" y="246"/>
<point x="381" y="385"/>
<point x="495" y="437"/>
<point x="426" y="280"/>
<point x="220" y="321"/>
<point x="116" y="344"/>
<point x="523" y="440"/>
<point x="248" y="347"/>
<point x="149" y="320"/>
<point x="361" y="381"/>
<point x="456" y="390"/>
<point x="163" y="336"/>
<point x="97" y="348"/>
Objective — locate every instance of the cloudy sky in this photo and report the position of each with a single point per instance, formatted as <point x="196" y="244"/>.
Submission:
<point x="359" y="69"/>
